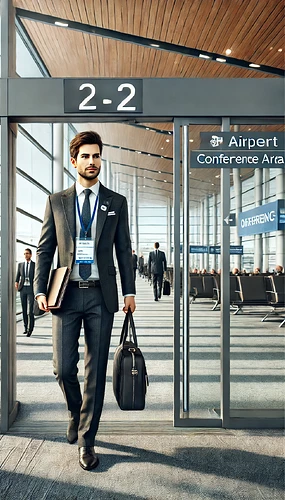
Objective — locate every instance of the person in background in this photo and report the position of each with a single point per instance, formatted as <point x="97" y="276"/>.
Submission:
<point x="256" y="271"/>
<point x="156" y="267"/>
<point x="235" y="271"/>
<point x="278" y="270"/>
<point x="85" y="222"/>
<point x="141" y="264"/>
<point x="135" y="263"/>
<point x="213" y="272"/>
<point x="24" y="285"/>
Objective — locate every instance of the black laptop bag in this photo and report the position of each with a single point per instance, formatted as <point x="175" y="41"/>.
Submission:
<point x="130" y="378"/>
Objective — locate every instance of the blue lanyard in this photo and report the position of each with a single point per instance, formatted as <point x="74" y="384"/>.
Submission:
<point x="80" y="216"/>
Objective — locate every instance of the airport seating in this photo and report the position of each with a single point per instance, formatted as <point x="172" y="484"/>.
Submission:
<point x="276" y="296"/>
<point x="252" y="291"/>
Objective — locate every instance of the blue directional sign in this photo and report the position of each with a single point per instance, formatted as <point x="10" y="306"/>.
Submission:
<point x="234" y="249"/>
<point x="263" y="219"/>
<point x="198" y="249"/>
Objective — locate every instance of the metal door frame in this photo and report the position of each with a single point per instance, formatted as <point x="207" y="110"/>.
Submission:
<point x="181" y="395"/>
<point x="164" y="99"/>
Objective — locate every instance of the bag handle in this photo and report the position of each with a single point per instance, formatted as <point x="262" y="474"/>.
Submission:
<point x="129" y="323"/>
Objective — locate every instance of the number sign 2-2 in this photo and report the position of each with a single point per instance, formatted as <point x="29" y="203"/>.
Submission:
<point x="103" y="95"/>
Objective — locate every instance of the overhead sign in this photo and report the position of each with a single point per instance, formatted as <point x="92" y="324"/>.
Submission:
<point x="229" y="141"/>
<point x="234" y="159"/>
<point x="234" y="150"/>
<point x="262" y="219"/>
<point x="234" y="249"/>
<point x="198" y="249"/>
<point x="103" y="95"/>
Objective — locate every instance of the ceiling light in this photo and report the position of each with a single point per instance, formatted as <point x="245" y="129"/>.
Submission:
<point x="170" y="133"/>
<point x="220" y="59"/>
<point x="154" y="45"/>
<point x="167" y="140"/>
<point x="191" y="140"/>
<point x="139" y="152"/>
<point x="63" y="25"/>
<point x="252" y="65"/>
<point x="217" y="176"/>
<point x="228" y="52"/>
<point x="162" y="157"/>
<point x="151" y="129"/>
<point x="271" y="48"/>
<point x="148" y="154"/>
<point x="161" y="148"/>
<point x="280" y="50"/>
<point x="190" y="173"/>
<point x="213" y="184"/>
<point x="159" y="171"/>
<point x="164" y="180"/>
<point x="204" y="56"/>
<point x="147" y="128"/>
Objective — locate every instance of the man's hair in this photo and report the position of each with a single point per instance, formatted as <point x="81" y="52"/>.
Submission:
<point x="28" y="250"/>
<point x="156" y="245"/>
<point x="88" y="137"/>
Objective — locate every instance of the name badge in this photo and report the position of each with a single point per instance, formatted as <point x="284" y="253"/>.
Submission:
<point x="84" y="252"/>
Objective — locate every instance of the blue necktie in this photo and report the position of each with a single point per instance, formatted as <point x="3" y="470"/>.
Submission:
<point x="85" y="269"/>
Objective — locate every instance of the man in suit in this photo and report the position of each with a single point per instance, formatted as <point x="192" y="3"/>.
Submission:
<point x="24" y="285"/>
<point x="84" y="223"/>
<point x="135" y="264"/>
<point x="156" y="267"/>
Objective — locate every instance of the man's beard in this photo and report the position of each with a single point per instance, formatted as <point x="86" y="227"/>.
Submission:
<point x="90" y="176"/>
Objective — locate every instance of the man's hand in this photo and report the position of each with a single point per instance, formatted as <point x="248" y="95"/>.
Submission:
<point x="129" y="303"/>
<point x="16" y="286"/>
<point x="42" y="302"/>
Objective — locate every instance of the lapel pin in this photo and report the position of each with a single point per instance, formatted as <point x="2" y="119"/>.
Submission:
<point x="104" y="208"/>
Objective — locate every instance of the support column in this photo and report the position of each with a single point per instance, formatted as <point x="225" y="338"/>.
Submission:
<point x="215" y="230"/>
<point x="103" y="173"/>
<point x="9" y="405"/>
<point x="258" y="260"/>
<point x="168" y="236"/>
<point x="266" y="177"/>
<point x="238" y="199"/>
<point x="108" y="174"/>
<point x="206" y="231"/>
<point x="280" y="235"/>
<point x="58" y="160"/>
<point x="135" y="214"/>
<point x="202" y="225"/>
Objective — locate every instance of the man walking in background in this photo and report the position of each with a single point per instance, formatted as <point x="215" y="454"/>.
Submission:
<point x="24" y="285"/>
<point x="135" y="264"/>
<point x="85" y="222"/>
<point x="156" y="267"/>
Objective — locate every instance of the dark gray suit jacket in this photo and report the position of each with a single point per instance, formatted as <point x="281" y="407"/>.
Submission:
<point x="59" y="231"/>
<point x="20" y="276"/>
<point x="157" y="263"/>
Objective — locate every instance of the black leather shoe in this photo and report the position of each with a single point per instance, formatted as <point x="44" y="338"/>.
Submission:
<point x="25" y="332"/>
<point x="72" y="430"/>
<point x="29" y="333"/>
<point x="87" y="458"/>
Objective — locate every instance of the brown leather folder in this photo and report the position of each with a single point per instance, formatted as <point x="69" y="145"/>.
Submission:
<point x="57" y="285"/>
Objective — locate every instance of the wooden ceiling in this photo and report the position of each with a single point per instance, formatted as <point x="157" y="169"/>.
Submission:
<point x="252" y="29"/>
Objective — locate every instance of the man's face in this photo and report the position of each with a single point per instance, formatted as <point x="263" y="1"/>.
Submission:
<point x="88" y="161"/>
<point x="27" y="255"/>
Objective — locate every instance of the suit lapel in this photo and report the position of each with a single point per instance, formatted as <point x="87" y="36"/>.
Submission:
<point x="104" y="202"/>
<point x="68" y="202"/>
